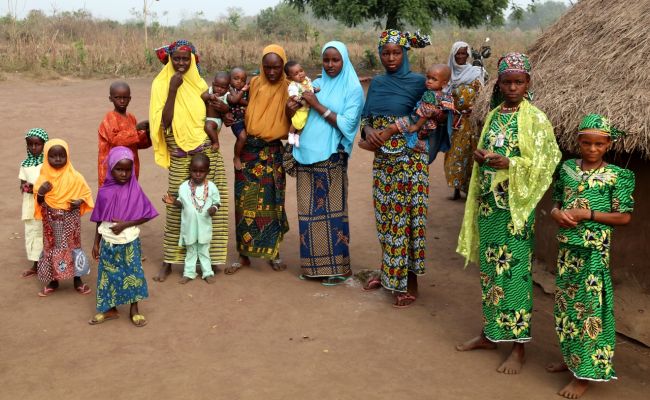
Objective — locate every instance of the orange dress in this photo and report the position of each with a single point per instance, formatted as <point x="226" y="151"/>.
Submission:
<point x="119" y="130"/>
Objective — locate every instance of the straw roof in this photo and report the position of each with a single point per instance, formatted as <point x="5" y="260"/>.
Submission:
<point x="594" y="60"/>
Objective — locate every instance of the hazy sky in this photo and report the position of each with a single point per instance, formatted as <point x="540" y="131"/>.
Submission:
<point x="120" y="9"/>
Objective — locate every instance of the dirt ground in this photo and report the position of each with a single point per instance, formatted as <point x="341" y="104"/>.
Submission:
<point x="258" y="334"/>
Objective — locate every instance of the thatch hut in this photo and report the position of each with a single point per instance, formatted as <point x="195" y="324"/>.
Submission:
<point x="595" y="59"/>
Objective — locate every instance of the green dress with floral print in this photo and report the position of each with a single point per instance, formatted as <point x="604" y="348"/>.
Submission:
<point x="584" y="298"/>
<point x="505" y="253"/>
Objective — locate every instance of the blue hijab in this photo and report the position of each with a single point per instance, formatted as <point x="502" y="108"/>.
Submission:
<point x="343" y="95"/>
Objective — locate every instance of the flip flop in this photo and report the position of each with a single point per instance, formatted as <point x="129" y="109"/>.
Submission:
<point x="335" y="280"/>
<point x="372" y="284"/>
<point x="234" y="267"/>
<point x="136" y="318"/>
<point x="46" y="292"/>
<point x="277" y="265"/>
<point x="28" y="273"/>
<point x="404" y="296"/>
<point x="100" y="318"/>
<point x="83" y="289"/>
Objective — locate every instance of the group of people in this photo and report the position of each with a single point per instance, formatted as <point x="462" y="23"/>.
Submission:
<point x="405" y="120"/>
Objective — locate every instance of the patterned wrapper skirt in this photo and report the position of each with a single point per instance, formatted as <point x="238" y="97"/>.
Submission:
<point x="322" y="190"/>
<point x="179" y="171"/>
<point x="459" y="158"/>
<point x="260" y="217"/>
<point x="120" y="278"/>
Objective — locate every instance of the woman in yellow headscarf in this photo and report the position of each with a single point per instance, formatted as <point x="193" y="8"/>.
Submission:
<point x="260" y="217"/>
<point x="176" y="119"/>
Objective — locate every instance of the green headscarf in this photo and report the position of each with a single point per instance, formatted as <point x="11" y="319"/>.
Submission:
<point x="599" y="124"/>
<point x="32" y="160"/>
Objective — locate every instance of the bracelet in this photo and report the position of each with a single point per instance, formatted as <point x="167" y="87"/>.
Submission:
<point x="38" y="194"/>
<point x="327" y="113"/>
<point x="593" y="215"/>
<point x="554" y="209"/>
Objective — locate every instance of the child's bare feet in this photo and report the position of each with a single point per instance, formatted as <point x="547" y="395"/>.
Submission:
<point x="184" y="280"/>
<point x="479" y="342"/>
<point x="557" y="367"/>
<point x="30" y="272"/>
<point x="575" y="389"/>
<point x="163" y="273"/>
<point x="211" y="279"/>
<point x="515" y="361"/>
<point x="236" y="162"/>
<point x="364" y="144"/>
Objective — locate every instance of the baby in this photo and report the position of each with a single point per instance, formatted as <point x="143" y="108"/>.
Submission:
<point x="213" y="117"/>
<point x="299" y="84"/>
<point x="238" y="85"/>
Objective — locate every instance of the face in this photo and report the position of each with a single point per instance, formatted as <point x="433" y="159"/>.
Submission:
<point x="332" y="62"/>
<point x="35" y="145"/>
<point x="220" y="86"/>
<point x="120" y="97"/>
<point x="181" y="61"/>
<point x="199" y="171"/>
<point x="57" y="157"/>
<point x="272" y="65"/>
<point x="391" y="57"/>
<point x="514" y="86"/>
<point x="121" y="172"/>
<point x="461" y="56"/>
<point x="593" y="146"/>
<point x="296" y="73"/>
<point x="238" y="79"/>
<point x="436" y="79"/>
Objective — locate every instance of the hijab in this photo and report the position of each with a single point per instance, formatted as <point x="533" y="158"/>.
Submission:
<point x="67" y="183"/>
<point x="463" y="74"/>
<point x="32" y="160"/>
<point x="121" y="202"/>
<point x="266" y="116"/>
<point x="601" y="125"/>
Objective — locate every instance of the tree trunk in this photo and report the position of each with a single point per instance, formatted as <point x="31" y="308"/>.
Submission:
<point x="392" y="21"/>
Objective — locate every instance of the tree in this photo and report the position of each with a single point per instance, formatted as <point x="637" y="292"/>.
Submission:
<point x="419" y="13"/>
<point x="541" y="16"/>
<point x="283" y="20"/>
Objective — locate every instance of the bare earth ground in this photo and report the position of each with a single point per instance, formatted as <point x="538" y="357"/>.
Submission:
<point x="258" y="334"/>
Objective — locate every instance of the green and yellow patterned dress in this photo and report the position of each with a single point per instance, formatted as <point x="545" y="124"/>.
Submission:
<point x="584" y="298"/>
<point x="505" y="252"/>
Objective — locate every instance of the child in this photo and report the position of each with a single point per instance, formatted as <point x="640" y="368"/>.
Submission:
<point x="120" y="207"/>
<point x="199" y="199"/>
<point x="119" y="128"/>
<point x="591" y="197"/>
<point x="299" y="84"/>
<point x="435" y="100"/>
<point x="238" y="84"/>
<point x="63" y="196"/>
<point x="30" y="169"/>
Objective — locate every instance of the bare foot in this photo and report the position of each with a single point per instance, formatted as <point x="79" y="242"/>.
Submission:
<point x="184" y="280"/>
<point x="236" y="162"/>
<point x="575" y="389"/>
<point x="211" y="279"/>
<point x="479" y="342"/>
<point x="29" y="273"/>
<point x="364" y="144"/>
<point x="515" y="361"/>
<point x="163" y="273"/>
<point x="557" y="367"/>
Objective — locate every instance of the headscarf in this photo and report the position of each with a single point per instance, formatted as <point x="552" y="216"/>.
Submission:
<point x="266" y="116"/>
<point x="395" y="93"/>
<point x="511" y="62"/>
<point x="121" y="202"/>
<point x="599" y="124"/>
<point x="163" y="53"/>
<point x="463" y="74"/>
<point x="32" y="160"/>
<point x="343" y="95"/>
<point x="189" y="110"/>
<point x="67" y="183"/>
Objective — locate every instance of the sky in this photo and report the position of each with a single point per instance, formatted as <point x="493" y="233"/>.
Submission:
<point x="119" y="10"/>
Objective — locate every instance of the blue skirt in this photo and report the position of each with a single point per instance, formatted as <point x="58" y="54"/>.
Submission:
<point x="120" y="278"/>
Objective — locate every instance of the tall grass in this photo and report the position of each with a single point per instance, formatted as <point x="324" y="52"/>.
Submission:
<point x="77" y="44"/>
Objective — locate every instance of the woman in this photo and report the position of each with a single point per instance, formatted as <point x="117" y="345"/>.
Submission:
<point x="176" y="118"/>
<point x="322" y="164"/>
<point x="400" y="175"/>
<point x="260" y="217"/>
<point x="515" y="161"/>
<point x="466" y="81"/>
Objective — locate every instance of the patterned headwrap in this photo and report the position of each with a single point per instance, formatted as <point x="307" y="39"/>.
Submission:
<point x="514" y="62"/>
<point x="599" y="124"/>
<point x="404" y="39"/>
<point x="32" y="160"/>
<point x="164" y="52"/>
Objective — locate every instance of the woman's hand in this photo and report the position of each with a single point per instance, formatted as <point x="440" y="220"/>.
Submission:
<point x="496" y="161"/>
<point x="310" y="98"/>
<point x="176" y="81"/>
<point x="293" y="103"/>
<point x="218" y="105"/>
<point x="479" y="156"/>
<point x="563" y="218"/>
<point x="374" y="137"/>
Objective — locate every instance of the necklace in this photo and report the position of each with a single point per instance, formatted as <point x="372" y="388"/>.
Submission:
<point x="585" y="177"/>
<point x="503" y="128"/>
<point x="505" y="109"/>
<point x="198" y="207"/>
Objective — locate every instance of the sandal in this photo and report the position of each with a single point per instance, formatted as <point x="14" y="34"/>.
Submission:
<point x="83" y="289"/>
<point x="404" y="300"/>
<point x="46" y="291"/>
<point x="335" y="280"/>
<point x="28" y="273"/>
<point x="138" y="320"/>
<point x="277" y="265"/>
<point x="372" y="284"/>
<point x="236" y="266"/>
<point x="100" y="318"/>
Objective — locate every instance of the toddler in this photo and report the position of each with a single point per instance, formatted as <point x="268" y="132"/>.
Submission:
<point x="238" y="85"/>
<point x="299" y="84"/>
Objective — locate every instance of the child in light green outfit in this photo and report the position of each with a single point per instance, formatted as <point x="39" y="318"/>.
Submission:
<point x="199" y="199"/>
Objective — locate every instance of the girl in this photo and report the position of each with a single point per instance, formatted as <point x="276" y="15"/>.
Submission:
<point x="30" y="168"/>
<point x="121" y="207"/>
<point x="63" y="196"/>
<point x="591" y="196"/>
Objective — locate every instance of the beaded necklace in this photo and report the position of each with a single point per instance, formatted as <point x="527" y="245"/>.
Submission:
<point x="198" y="207"/>
<point x="585" y="177"/>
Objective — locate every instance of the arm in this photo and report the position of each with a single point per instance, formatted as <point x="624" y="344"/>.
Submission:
<point x="42" y="191"/>
<point x="311" y="99"/>
<point x="583" y="214"/>
<point x="171" y="200"/>
<point x="122" y="225"/>
<point x="168" y="110"/>
<point x="215" y="199"/>
<point x="98" y="239"/>
<point x="236" y="96"/>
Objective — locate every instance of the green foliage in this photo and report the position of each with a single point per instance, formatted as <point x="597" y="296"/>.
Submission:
<point x="539" y="16"/>
<point x="370" y="59"/>
<point x="283" y="20"/>
<point x="81" y="51"/>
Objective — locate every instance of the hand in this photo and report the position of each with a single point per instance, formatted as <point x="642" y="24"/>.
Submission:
<point x="496" y="161"/>
<point x="245" y="88"/>
<point x="176" y="81"/>
<point x="316" y="89"/>
<point x="214" y="147"/>
<point x="27" y="187"/>
<point x="45" y="187"/>
<point x="212" y="210"/>
<point x="169" y="199"/>
<point x="374" y="137"/>
<point x="310" y="98"/>
<point x="563" y="219"/>
<point x="218" y="105"/>
<point x="479" y="156"/>
<point x="119" y="226"/>
<point x="578" y="214"/>
<point x="143" y="126"/>
<point x="75" y="204"/>
<point x="96" y="251"/>
<point x="228" y="119"/>
<point x="293" y="103"/>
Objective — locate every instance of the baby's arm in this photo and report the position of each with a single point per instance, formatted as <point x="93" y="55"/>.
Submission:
<point x="237" y="96"/>
<point x="418" y="125"/>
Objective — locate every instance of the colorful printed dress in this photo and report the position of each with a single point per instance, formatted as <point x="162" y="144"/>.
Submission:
<point x="400" y="192"/>
<point x="505" y="252"/>
<point x="584" y="298"/>
<point x="458" y="160"/>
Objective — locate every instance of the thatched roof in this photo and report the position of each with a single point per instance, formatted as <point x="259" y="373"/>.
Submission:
<point x="595" y="59"/>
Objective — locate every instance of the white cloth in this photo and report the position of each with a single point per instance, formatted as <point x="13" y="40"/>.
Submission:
<point x="463" y="74"/>
<point x="126" y="236"/>
<point x="33" y="238"/>
<point x="29" y="175"/>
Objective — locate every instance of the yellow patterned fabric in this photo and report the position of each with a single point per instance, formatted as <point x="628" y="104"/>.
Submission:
<point x="528" y="176"/>
<point x="189" y="112"/>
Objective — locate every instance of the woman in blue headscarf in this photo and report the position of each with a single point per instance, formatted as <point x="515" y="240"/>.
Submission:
<point x="400" y="175"/>
<point x="322" y="168"/>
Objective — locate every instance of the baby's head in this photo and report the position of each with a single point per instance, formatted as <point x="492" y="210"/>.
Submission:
<point x="120" y="95"/>
<point x="294" y="71"/>
<point x="221" y="83"/>
<point x="238" y="78"/>
<point x="199" y="168"/>
<point x="438" y="76"/>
